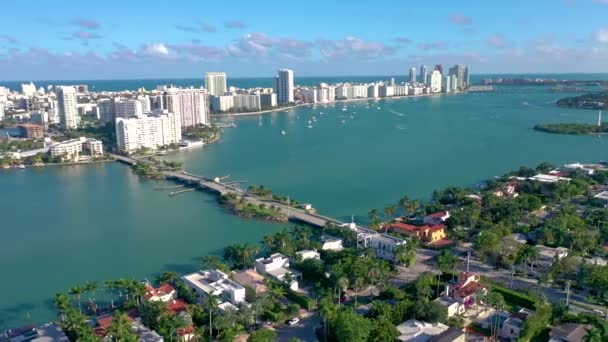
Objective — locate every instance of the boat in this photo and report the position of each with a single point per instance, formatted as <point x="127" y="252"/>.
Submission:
<point x="352" y="117"/>
<point x="314" y="119"/>
<point x="283" y="132"/>
<point x="344" y="109"/>
<point x="309" y="126"/>
<point x="21" y="166"/>
<point x="343" y="121"/>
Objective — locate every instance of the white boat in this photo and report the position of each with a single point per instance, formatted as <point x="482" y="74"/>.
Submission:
<point x="21" y="166"/>
<point x="314" y="119"/>
<point x="378" y="108"/>
<point x="352" y="117"/>
<point x="343" y="121"/>
<point x="309" y="126"/>
<point x="283" y="132"/>
<point x="344" y="109"/>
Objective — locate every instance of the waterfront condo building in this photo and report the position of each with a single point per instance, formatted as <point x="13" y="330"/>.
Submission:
<point x="412" y="75"/>
<point x="66" y="103"/>
<point x="435" y="81"/>
<point x="159" y="128"/>
<point x="189" y="104"/>
<point x="268" y="99"/>
<point x="284" y="86"/>
<point x="215" y="83"/>
<point x="71" y="149"/>
<point x="105" y="110"/>
<point x="246" y="102"/>
<point x="458" y="70"/>
<point x="221" y="103"/>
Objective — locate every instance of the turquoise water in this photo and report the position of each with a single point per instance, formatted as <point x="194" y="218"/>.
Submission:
<point x="64" y="226"/>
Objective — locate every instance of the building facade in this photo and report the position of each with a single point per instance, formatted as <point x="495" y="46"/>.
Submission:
<point x="127" y="108"/>
<point x="72" y="149"/>
<point x="435" y="81"/>
<point x="285" y="86"/>
<point x="190" y="104"/>
<point x="160" y="128"/>
<point x="68" y="113"/>
<point x="215" y="83"/>
<point x="412" y="75"/>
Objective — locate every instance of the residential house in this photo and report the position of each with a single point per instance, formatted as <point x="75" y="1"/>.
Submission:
<point x="164" y="293"/>
<point x="308" y="254"/>
<point x="427" y="234"/>
<point x="568" y="332"/>
<point x="217" y="283"/>
<point x="277" y="267"/>
<point x="453" y="306"/>
<point x="509" y="191"/>
<point x="512" y="326"/>
<point x="549" y="178"/>
<point x="465" y="289"/>
<point x="331" y="243"/>
<point x="383" y="245"/>
<point x="436" y="218"/>
<point x="419" y="331"/>
<point x="548" y="255"/>
<point x="252" y="279"/>
<point x="450" y="335"/>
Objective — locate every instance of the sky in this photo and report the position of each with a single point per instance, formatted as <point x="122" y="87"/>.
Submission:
<point x="112" y="39"/>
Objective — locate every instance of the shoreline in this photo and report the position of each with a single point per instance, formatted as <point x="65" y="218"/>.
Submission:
<point x="55" y="164"/>
<point x="332" y="102"/>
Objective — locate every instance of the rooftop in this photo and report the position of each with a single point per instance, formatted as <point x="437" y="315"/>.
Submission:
<point x="212" y="281"/>
<point x="419" y="331"/>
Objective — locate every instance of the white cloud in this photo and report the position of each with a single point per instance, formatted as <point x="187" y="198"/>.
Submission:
<point x="601" y="36"/>
<point x="155" y="49"/>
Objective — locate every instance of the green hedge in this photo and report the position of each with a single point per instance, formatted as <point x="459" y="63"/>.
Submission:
<point x="515" y="298"/>
<point x="302" y="299"/>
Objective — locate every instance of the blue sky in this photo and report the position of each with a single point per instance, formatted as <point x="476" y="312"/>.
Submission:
<point x="68" y="39"/>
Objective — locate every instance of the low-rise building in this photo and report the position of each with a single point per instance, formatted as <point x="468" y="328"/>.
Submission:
<point x="331" y="243"/>
<point x="72" y="149"/>
<point x="252" y="279"/>
<point x="426" y="234"/>
<point x="308" y="254"/>
<point x="450" y="335"/>
<point x="511" y="328"/>
<point x="31" y="131"/>
<point x="436" y="218"/>
<point x="453" y="306"/>
<point x="163" y="293"/>
<point x="216" y="283"/>
<point x="568" y="332"/>
<point x="276" y="266"/>
<point x="383" y="245"/>
<point x="418" y="331"/>
<point x="548" y="255"/>
<point x="465" y="289"/>
<point x="549" y="178"/>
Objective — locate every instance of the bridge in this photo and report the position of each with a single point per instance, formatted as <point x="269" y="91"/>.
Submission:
<point x="216" y="186"/>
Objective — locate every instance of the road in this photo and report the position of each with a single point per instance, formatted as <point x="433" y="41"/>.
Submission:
<point x="304" y="330"/>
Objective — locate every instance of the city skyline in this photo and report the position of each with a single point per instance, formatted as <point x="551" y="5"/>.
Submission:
<point x="67" y="41"/>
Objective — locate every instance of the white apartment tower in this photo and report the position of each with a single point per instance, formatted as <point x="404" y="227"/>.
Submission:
<point x="128" y="108"/>
<point x="66" y="103"/>
<point x="159" y="128"/>
<point x="435" y="81"/>
<point x="215" y="83"/>
<point x="190" y="104"/>
<point x="284" y="86"/>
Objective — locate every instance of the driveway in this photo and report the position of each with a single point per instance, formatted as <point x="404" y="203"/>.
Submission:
<point x="304" y="330"/>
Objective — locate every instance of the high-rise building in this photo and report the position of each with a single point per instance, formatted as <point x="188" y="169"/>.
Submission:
<point x="1" y="110"/>
<point x="127" y="108"/>
<point x="467" y="77"/>
<point x="215" y="83"/>
<point x="221" y="103"/>
<point x="190" y="104"/>
<point x="66" y="103"/>
<point x="105" y="110"/>
<point x="284" y="86"/>
<point x="439" y="68"/>
<point x="247" y="102"/>
<point x="423" y="74"/>
<point x="392" y="82"/>
<point x="454" y="82"/>
<point x="145" y="103"/>
<point x="458" y="70"/>
<point x="157" y="101"/>
<point x="412" y="75"/>
<point x="268" y="100"/>
<point x="435" y="81"/>
<point x="28" y="89"/>
<point x="445" y="84"/>
<point x="155" y="129"/>
<point x="373" y="91"/>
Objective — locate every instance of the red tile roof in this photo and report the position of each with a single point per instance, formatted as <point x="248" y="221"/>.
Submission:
<point x="185" y="331"/>
<point x="399" y="227"/>
<point x="177" y="305"/>
<point x="162" y="290"/>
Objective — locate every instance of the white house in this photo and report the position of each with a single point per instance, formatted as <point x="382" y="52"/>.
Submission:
<point x="163" y="293"/>
<point x="308" y="254"/>
<point x="452" y="305"/>
<point x="276" y="266"/>
<point x="418" y="331"/>
<point x="331" y="243"/>
<point x="384" y="245"/>
<point x="217" y="283"/>
<point x="511" y="328"/>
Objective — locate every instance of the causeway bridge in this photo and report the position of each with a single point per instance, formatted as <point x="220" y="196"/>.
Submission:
<point x="215" y="185"/>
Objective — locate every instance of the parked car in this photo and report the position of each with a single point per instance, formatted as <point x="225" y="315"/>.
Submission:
<point x="293" y="321"/>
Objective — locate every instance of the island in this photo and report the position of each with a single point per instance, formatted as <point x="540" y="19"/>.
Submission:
<point x="596" y="100"/>
<point x="572" y="128"/>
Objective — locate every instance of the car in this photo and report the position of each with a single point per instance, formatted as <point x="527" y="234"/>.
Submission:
<point x="293" y="321"/>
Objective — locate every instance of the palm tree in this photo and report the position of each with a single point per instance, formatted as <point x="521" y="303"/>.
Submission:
<point x="328" y="311"/>
<point x="63" y="305"/>
<point x="390" y="211"/>
<point x="110" y="285"/>
<point x="210" y="304"/>
<point x="373" y="215"/>
<point x="495" y="300"/>
<point x="447" y="262"/>
<point x="139" y="291"/>
<point x="77" y="291"/>
<point x="167" y="277"/>
<point x="373" y="274"/>
<point x="342" y="287"/>
<point x="404" y="203"/>
<point x="278" y="292"/>
<point x="357" y="286"/>
<point x="121" y="328"/>
<point x="90" y="288"/>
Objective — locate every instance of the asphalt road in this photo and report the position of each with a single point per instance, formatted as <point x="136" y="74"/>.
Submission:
<point x="304" y="330"/>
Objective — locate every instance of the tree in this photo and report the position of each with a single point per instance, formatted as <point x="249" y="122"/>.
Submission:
<point x="121" y="329"/>
<point x="342" y="287"/>
<point x="328" y="311"/>
<point x="211" y="303"/>
<point x="422" y="286"/>
<point x="166" y="278"/>
<point x="358" y="284"/>
<point x="384" y="330"/>
<point x="497" y="301"/>
<point x="536" y="322"/>
<point x="390" y="211"/>
<point x="77" y="291"/>
<point x="447" y="262"/>
<point x="262" y="335"/>
<point x="373" y="216"/>
<point x="90" y="287"/>
<point x="213" y="262"/>
<point x="351" y="327"/>
<point x="63" y="305"/>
